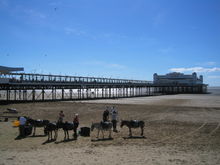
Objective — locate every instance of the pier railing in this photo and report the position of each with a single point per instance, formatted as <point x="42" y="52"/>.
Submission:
<point x="43" y="78"/>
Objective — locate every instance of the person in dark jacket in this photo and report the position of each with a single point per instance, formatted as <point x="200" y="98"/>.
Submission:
<point x="106" y="115"/>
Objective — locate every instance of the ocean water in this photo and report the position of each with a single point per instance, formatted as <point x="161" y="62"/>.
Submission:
<point x="214" y="91"/>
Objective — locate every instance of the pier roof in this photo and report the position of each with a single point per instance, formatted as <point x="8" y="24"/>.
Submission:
<point x="4" y="69"/>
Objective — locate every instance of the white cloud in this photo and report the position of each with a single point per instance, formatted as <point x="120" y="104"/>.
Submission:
<point x="79" y="32"/>
<point x="166" y="50"/>
<point x="113" y="35"/>
<point x="58" y="3"/>
<point x="158" y="19"/>
<point x="211" y="63"/>
<point x="34" y="13"/>
<point x="94" y="36"/>
<point x="117" y="66"/>
<point x="214" y="77"/>
<point x="74" y="31"/>
<point x="195" y="69"/>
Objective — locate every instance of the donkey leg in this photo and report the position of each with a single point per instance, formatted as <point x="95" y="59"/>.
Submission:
<point x="142" y="131"/>
<point x="102" y="134"/>
<point x="34" y="131"/>
<point x="98" y="134"/>
<point x="48" y="136"/>
<point x="67" y="134"/>
<point x="110" y="133"/>
<point x="45" y="133"/>
<point x="64" y="135"/>
<point x="55" y="136"/>
<point x="130" y="133"/>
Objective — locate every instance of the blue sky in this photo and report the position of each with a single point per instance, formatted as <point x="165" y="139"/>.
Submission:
<point x="112" y="38"/>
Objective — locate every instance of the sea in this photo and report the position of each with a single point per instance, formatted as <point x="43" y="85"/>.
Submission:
<point x="214" y="90"/>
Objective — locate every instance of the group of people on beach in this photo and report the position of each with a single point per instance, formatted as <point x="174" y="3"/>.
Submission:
<point x="110" y="114"/>
<point x="75" y="121"/>
<point x="114" y="116"/>
<point x="105" y="118"/>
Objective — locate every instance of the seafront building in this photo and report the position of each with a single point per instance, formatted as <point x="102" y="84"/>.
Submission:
<point x="178" y="78"/>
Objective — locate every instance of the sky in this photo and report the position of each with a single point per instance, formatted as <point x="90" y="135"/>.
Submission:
<point x="112" y="38"/>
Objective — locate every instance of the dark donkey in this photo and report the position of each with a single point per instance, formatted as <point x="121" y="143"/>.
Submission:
<point x="66" y="127"/>
<point x="133" y="124"/>
<point x="50" y="127"/>
<point x="37" y="123"/>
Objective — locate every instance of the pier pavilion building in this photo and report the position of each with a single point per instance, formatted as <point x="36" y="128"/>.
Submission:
<point x="178" y="78"/>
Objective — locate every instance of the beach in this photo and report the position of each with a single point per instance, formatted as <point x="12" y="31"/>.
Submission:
<point x="179" y="129"/>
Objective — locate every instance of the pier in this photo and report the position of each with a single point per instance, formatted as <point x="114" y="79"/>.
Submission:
<point x="25" y="87"/>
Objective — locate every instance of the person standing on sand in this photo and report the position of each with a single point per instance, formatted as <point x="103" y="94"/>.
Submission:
<point x="76" y="124"/>
<point x="114" y="115"/>
<point x="105" y="115"/>
<point x="22" y="123"/>
<point x="61" y="116"/>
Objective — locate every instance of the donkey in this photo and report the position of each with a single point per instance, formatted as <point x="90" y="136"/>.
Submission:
<point x="50" y="127"/>
<point x="66" y="127"/>
<point x="102" y="126"/>
<point x="37" y="123"/>
<point x="133" y="124"/>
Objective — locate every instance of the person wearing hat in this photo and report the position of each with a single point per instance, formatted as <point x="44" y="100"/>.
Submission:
<point x="76" y="124"/>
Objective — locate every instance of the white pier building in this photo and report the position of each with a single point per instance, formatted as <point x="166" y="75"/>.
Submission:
<point x="178" y="78"/>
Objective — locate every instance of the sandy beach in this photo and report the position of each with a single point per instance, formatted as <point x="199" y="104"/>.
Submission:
<point x="179" y="129"/>
<point x="156" y="62"/>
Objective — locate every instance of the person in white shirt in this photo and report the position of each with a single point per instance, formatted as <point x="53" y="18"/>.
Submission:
<point x="114" y="115"/>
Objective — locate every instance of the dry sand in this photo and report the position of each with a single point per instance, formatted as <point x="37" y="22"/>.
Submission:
<point x="180" y="129"/>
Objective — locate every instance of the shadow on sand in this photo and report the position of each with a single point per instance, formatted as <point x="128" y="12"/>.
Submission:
<point x="33" y="136"/>
<point x="20" y="137"/>
<point x="64" y="141"/>
<point x="105" y="139"/>
<point x="135" y="137"/>
<point x="48" y="141"/>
